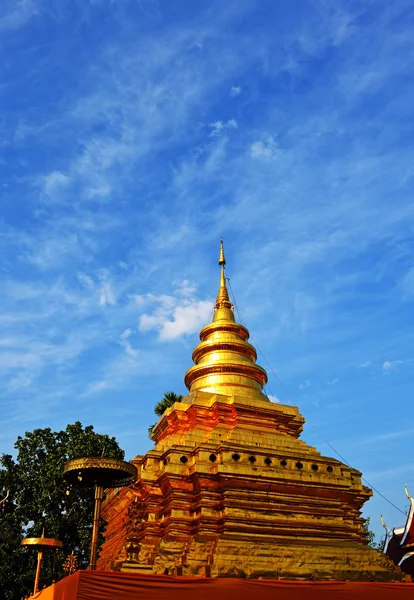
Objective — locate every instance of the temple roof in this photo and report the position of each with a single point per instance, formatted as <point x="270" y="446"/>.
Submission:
<point x="225" y="363"/>
<point x="399" y="543"/>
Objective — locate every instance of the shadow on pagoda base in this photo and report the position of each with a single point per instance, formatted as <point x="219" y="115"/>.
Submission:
<point x="255" y="560"/>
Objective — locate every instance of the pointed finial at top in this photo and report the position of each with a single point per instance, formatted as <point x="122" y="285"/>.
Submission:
<point x="223" y="300"/>
<point x="407" y="492"/>
<point x="43" y="533"/>
<point x="222" y="259"/>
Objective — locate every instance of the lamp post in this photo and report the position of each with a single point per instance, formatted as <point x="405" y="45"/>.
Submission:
<point x="100" y="473"/>
<point x="40" y="544"/>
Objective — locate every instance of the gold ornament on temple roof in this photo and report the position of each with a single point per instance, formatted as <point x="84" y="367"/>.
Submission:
<point x="225" y="363"/>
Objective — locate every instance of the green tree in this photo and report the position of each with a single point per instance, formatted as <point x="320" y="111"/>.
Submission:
<point x="370" y="534"/>
<point x="38" y="497"/>
<point x="167" y="400"/>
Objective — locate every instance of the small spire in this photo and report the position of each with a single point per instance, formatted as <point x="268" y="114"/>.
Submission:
<point x="223" y="300"/>
<point x="222" y="259"/>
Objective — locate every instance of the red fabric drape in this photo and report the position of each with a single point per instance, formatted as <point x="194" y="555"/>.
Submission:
<point x="104" y="585"/>
<point x="67" y="589"/>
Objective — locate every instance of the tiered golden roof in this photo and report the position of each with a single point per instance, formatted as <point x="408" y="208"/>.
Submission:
<point x="225" y="363"/>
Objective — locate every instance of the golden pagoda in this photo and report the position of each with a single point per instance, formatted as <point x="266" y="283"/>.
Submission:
<point x="229" y="488"/>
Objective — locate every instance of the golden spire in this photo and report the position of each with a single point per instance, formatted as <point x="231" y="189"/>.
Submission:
<point x="225" y="363"/>
<point x="222" y="258"/>
<point x="223" y="300"/>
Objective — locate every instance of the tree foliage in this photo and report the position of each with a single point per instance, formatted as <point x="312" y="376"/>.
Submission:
<point x="39" y="498"/>
<point x="370" y="534"/>
<point x="167" y="400"/>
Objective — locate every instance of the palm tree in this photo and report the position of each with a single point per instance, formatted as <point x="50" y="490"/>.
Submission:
<point x="167" y="400"/>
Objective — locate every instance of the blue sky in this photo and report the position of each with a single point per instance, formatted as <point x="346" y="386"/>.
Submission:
<point x="135" y="133"/>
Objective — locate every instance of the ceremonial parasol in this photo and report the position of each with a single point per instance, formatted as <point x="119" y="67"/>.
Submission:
<point x="40" y="544"/>
<point x="102" y="473"/>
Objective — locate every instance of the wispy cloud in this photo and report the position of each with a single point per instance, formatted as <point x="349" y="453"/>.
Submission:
<point x="218" y="127"/>
<point x="364" y="364"/>
<point x="266" y="148"/>
<point x="391" y="365"/>
<point x="407" y="284"/>
<point x="17" y="13"/>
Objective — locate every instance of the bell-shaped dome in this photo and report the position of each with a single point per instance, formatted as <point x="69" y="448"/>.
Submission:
<point x="225" y="363"/>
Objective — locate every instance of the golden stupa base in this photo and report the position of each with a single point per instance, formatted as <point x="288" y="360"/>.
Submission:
<point x="229" y="490"/>
<point x="268" y="561"/>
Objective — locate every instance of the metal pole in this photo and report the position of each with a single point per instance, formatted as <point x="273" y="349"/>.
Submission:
<point x="99" y="491"/>
<point x="39" y="564"/>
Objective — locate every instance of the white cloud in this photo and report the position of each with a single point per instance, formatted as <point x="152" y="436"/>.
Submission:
<point x="16" y="15"/>
<point x="333" y="381"/>
<point x="54" y="181"/>
<point x="21" y="381"/>
<point x="389" y="365"/>
<point x="85" y="280"/>
<point x="186" y="289"/>
<point x="97" y="387"/>
<point x="218" y="127"/>
<point x="274" y="399"/>
<point x="106" y="292"/>
<point x="235" y="91"/>
<point x="125" y="334"/>
<point x="176" y="315"/>
<point x="186" y="320"/>
<point x="305" y="384"/>
<point x="55" y="249"/>
<point x="365" y="364"/>
<point x="106" y="295"/>
<point x="99" y="191"/>
<point x="130" y="351"/>
<point x="264" y="149"/>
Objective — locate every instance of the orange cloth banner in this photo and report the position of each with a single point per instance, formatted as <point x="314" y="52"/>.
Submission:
<point x="111" y="585"/>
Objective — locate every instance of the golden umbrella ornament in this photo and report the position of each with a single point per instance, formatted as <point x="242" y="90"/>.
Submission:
<point x="101" y="473"/>
<point x="40" y="544"/>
